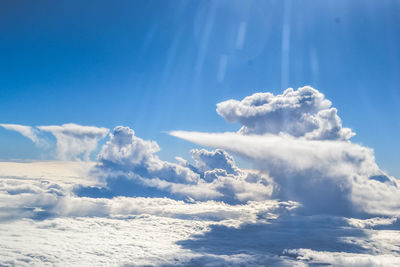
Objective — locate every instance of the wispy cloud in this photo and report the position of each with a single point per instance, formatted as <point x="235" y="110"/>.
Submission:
<point x="75" y="140"/>
<point x="26" y="131"/>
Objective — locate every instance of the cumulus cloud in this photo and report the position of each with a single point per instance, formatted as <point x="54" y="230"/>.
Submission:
<point x="127" y="152"/>
<point x="301" y="113"/>
<point x="210" y="160"/>
<point x="75" y="140"/>
<point x="298" y="140"/>
<point x="213" y="176"/>
<point x="26" y="131"/>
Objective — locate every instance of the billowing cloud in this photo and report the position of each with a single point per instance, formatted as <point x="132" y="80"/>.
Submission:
<point x="214" y="175"/>
<point x="26" y="131"/>
<point x="127" y="152"/>
<point x="210" y="160"/>
<point x="334" y="177"/>
<point x="301" y="113"/>
<point x="57" y="226"/>
<point x="75" y="140"/>
<point x="298" y="140"/>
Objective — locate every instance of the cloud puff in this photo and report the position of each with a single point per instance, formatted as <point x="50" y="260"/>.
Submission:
<point x="127" y="152"/>
<point x="210" y="160"/>
<point x="213" y="176"/>
<point x="301" y="113"/>
<point x="75" y="140"/>
<point x="26" y="131"/>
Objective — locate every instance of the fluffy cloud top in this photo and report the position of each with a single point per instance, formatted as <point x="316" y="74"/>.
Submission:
<point x="218" y="159"/>
<point x="301" y="113"/>
<point x="75" y="140"/>
<point x="127" y="152"/>
<point x="214" y="175"/>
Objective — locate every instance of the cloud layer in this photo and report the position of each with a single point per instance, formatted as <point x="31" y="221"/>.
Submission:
<point x="56" y="226"/>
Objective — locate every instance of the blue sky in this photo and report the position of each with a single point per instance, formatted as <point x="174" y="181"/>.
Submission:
<point x="163" y="65"/>
<point x="90" y="91"/>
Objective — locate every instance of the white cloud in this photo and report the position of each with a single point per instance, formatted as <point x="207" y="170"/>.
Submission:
<point x="301" y="113"/>
<point x="26" y="131"/>
<point x="127" y="152"/>
<point x="298" y="140"/>
<point x="210" y="160"/>
<point x="75" y="140"/>
<point x="214" y="176"/>
<point x="326" y="176"/>
<point x="58" y="227"/>
<point x="46" y="190"/>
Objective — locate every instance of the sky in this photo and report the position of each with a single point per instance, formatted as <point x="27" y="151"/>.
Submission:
<point x="185" y="132"/>
<point x="134" y="62"/>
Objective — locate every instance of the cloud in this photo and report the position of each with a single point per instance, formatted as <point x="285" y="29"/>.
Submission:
<point x="301" y="113"/>
<point x="57" y="226"/>
<point x="26" y="131"/>
<point x="126" y="152"/>
<point x="312" y="197"/>
<point x="298" y="241"/>
<point x="75" y="140"/>
<point x="215" y="175"/>
<point x="333" y="177"/>
<point x="210" y="160"/>
<point x="297" y="139"/>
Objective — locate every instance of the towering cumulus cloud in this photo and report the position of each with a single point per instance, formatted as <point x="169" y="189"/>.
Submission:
<point x="302" y="113"/>
<point x="297" y="139"/>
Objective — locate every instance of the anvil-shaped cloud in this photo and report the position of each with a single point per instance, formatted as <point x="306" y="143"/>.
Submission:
<point x="291" y="138"/>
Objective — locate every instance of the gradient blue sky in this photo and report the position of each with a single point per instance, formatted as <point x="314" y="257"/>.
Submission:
<point x="163" y="65"/>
